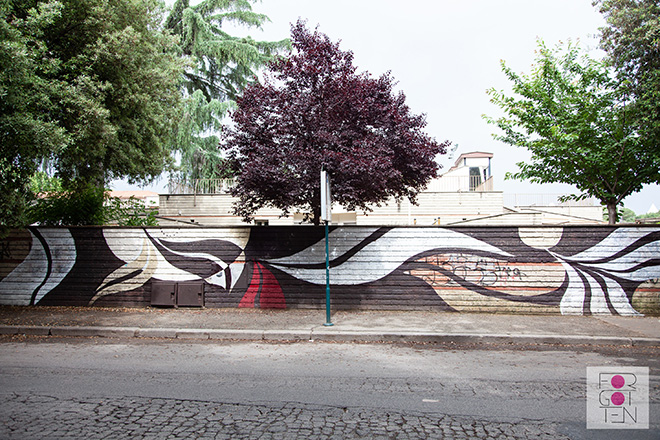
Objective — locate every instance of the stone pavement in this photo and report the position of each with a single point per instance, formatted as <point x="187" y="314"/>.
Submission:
<point x="156" y="418"/>
<point x="349" y="326"/>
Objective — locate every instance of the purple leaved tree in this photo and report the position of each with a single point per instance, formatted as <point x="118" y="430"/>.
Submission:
<point x="312" y="111"/>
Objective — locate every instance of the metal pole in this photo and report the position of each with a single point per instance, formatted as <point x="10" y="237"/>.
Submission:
<point x="327" y="277"/>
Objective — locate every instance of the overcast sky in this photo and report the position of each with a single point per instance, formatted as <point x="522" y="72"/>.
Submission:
<point x="445" y="54"/>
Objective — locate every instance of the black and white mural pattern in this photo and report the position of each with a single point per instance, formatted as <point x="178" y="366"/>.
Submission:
<point x="571" y="270"/>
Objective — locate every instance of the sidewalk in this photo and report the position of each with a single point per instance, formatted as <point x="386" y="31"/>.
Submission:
<point x="349" y="326"/>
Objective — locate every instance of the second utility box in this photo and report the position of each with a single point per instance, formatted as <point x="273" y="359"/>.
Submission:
<point x="190" y="294"/>
<point x="171" y="294"/>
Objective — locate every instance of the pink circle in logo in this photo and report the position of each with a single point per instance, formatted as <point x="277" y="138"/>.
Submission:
<point x="618" y="381"/>
<point x="618" y="398"/>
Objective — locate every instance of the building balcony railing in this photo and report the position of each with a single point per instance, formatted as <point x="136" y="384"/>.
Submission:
<point x="460" y="183"/>
<point x="223" y="186"/>
<point x="514" y="200"/>
<point x="200" y="186"/>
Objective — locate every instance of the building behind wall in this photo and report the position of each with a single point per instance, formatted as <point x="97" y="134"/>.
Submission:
<point x="463" y="195"/>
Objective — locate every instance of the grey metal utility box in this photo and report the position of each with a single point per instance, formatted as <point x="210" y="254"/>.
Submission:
<point x="190" y="294"/>
<point x="171" y="294"/>
<point x="163" y="293"/>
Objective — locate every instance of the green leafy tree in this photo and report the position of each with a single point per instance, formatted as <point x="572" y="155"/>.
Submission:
<point x="131" y="212"/>
<point x="90" y="86"/>
<point x="29" y="131"/>
<point x="42" y="183"/>
<point x="221" y="67"/>
<point x="84" y="206"/>
<point x="126" y="72"/>
<point x="650" y="215"/>
<point x="632" y="42"/>
<point x="649" y="218"/>
<point x="572" y="116"/>
<point x="89" y="205"/>
<point x="626" y="215"/>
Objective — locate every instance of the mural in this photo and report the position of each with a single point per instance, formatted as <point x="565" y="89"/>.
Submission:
<point x="572" y="270"/>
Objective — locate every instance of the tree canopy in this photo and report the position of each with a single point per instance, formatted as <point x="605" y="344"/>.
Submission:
<point x="28" y="132"/>
<point x="90" y="87"/>
<point x="632" y="42"/>
<point x="571" y="114"/>
<point x="312" y="111"/>
<point x="221" y="66"/>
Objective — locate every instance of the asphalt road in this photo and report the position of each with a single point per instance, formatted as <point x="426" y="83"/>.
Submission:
<point x="102" y="388"/>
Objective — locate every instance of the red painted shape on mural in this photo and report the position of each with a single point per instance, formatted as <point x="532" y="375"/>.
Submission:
<point x="253" y="290"/>
<point x="271" y="296"/>
<point x="265" y="286"/>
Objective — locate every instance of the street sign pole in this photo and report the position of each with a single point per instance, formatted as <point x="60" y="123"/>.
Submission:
<point x="326" y="216"/>
<point x="328" y="322"/>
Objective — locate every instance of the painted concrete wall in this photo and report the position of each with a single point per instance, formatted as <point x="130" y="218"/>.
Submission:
<point x="570" y="270"/>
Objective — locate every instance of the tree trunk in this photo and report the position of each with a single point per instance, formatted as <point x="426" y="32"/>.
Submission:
<point x="612" y="213"/>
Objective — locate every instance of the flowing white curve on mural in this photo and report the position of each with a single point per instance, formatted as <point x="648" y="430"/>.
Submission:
<point x="598" y="302"/>
<point x="616" y="242"/>
<point x="217" y="278"/>
<point x="128" y="249"/>
<point x="383" y="255"/>
<point x="627" y="262"/>
<point x="619" y="299"/>
<point x="572" y="303"/>
<point x="144" y="263"/>
<point x="621" y="267"/>
<point x="63" y="257"/>
<point x="17" y="287"/>
<point x="126" y="245"/>
<point x="236" y="236"/>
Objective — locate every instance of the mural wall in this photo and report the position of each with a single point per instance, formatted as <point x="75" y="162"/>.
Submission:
<point x="571" y="270"/>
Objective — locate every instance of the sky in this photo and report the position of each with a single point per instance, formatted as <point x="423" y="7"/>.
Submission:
<point x="445" y="55"/>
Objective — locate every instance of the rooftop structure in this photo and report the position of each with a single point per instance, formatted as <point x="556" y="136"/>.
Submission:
<point x="463" y="195"/>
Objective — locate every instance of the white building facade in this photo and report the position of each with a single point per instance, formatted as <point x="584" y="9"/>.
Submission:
<point x="462" y="195"/>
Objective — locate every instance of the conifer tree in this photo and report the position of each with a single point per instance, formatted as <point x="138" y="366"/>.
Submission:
<point x="221" y="66"/>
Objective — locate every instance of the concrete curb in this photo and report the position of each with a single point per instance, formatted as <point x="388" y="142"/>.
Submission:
<point x="471" y="338"/>
<point x="325" y="335"/>
<point x="106" y="332"/>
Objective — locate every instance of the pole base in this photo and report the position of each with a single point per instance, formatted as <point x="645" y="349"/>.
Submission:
<point x="328" y="324"/>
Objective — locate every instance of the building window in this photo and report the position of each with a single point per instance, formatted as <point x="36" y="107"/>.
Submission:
<point x="475" y="178"/>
